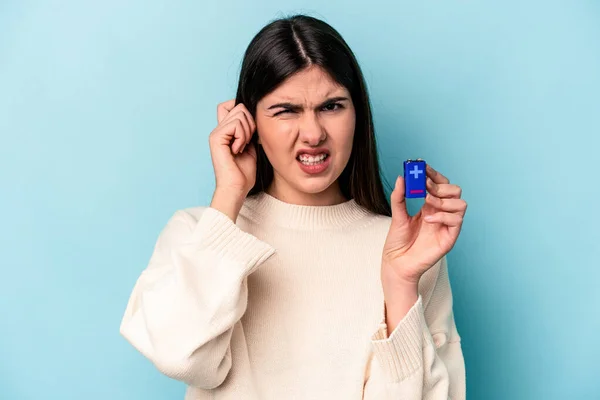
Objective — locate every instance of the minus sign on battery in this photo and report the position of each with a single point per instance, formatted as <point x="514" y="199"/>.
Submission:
<point x="416" y="191"/>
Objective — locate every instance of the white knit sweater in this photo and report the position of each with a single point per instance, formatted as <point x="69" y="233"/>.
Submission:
<point x="287" y="303"/>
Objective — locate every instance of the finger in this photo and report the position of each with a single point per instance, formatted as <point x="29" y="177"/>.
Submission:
<point x="446" y="218"/>
<point x="224" y="108"/>
<point x="449" y="205"/>
<point x="251" y="124"/>
<point x="240" y="136"/>
<point x="241" y="108"/>
<point x="435" y="175"/>
<point x="241" y="116"/>
<point x="443" y="190"/>
<point x="231" y="134"/>
<point x="240" y="111"/>
<point x="250" y="118"/>
<point x="398" y="202"/>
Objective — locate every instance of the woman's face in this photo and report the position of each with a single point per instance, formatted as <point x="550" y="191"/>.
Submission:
<point x="306" y="128"/>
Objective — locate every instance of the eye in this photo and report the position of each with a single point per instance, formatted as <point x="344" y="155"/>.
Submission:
<point x="284" y="111"/>
<point x="332" y="107"/>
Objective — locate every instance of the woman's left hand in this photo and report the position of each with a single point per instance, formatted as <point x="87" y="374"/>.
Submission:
<point x="414" y="244"/>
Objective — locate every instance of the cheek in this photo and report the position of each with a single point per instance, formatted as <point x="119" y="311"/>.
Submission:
<point x="341" y="131"/>
<point x="277" y="137"/>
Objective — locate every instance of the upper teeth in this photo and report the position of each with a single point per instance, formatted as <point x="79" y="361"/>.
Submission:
<point x="307" y="158"/>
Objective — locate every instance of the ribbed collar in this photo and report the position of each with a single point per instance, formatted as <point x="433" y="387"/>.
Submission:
<point x="263" y="208"/>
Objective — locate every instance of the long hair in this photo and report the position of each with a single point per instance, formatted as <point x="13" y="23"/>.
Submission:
<point x="288" y="45"/>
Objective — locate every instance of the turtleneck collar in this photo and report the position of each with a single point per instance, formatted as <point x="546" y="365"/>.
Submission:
<point x="263" y="208"/>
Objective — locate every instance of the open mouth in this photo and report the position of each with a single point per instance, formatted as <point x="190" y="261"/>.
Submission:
<point x="307" y="160"/>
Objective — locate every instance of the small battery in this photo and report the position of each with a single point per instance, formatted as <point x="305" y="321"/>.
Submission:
<point x="415" y="178"/>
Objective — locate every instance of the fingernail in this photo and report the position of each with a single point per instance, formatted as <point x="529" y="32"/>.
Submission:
<point x="429" y="218"/>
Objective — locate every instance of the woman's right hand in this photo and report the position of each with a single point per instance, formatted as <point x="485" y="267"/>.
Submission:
<point x="233" y="156"/>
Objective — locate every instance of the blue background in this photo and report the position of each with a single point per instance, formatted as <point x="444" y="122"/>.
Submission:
<point x="105" y="110"/>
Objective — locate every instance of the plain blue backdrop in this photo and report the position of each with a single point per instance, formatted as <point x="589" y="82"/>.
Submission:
<point x="105" y="110"/>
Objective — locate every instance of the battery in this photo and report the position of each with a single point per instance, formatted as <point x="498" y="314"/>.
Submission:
<point x="415" y="178"/>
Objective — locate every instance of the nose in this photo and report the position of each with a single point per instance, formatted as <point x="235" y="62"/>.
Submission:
<point x="311" y="131"/>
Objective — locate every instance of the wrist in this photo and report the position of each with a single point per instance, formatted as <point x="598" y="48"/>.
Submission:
<point x="400" y="292"/>
<point x="392" y="275"/>
<point x="228" y="201"/>
<point x="398" y="302"/>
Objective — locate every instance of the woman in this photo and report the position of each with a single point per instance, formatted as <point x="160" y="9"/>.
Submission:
<point x="300" y="281"/>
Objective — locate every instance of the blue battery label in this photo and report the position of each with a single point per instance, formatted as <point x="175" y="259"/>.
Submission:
<point x="415" y="178"/>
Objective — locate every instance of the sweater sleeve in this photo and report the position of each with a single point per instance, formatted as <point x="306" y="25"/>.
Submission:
<point x="181" y="312"/>
<point x="422" y="358"/>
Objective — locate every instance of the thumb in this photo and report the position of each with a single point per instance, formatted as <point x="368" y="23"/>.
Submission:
<point x="398" y="202"/>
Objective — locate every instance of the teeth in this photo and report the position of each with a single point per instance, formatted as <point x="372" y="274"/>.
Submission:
<point x="311" y="160"/>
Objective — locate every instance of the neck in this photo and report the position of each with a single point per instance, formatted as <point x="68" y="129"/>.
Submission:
<point x="329" y="197"/>
<point x="268" y="210"/>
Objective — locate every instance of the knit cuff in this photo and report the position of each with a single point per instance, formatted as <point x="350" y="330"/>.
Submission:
<point x="401" y="354"/>
<point x="216" y="232"/>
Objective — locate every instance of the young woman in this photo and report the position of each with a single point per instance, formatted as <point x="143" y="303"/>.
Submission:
<point x="300" y="280"/>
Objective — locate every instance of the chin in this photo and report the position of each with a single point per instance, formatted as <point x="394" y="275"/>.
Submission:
<point x="315" y="186"/>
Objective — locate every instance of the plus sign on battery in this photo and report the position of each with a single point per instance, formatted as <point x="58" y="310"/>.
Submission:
<point x="415" y="178"/>
<point x="415" y="172"/>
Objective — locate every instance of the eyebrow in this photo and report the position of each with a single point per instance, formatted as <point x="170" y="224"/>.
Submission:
<point x="299" y="107"/>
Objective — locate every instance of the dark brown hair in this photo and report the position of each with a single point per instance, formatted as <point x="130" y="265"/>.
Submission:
<point x="288" y="45"/>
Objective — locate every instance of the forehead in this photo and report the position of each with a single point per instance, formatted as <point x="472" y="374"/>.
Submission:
<point x="309" y="85"/>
